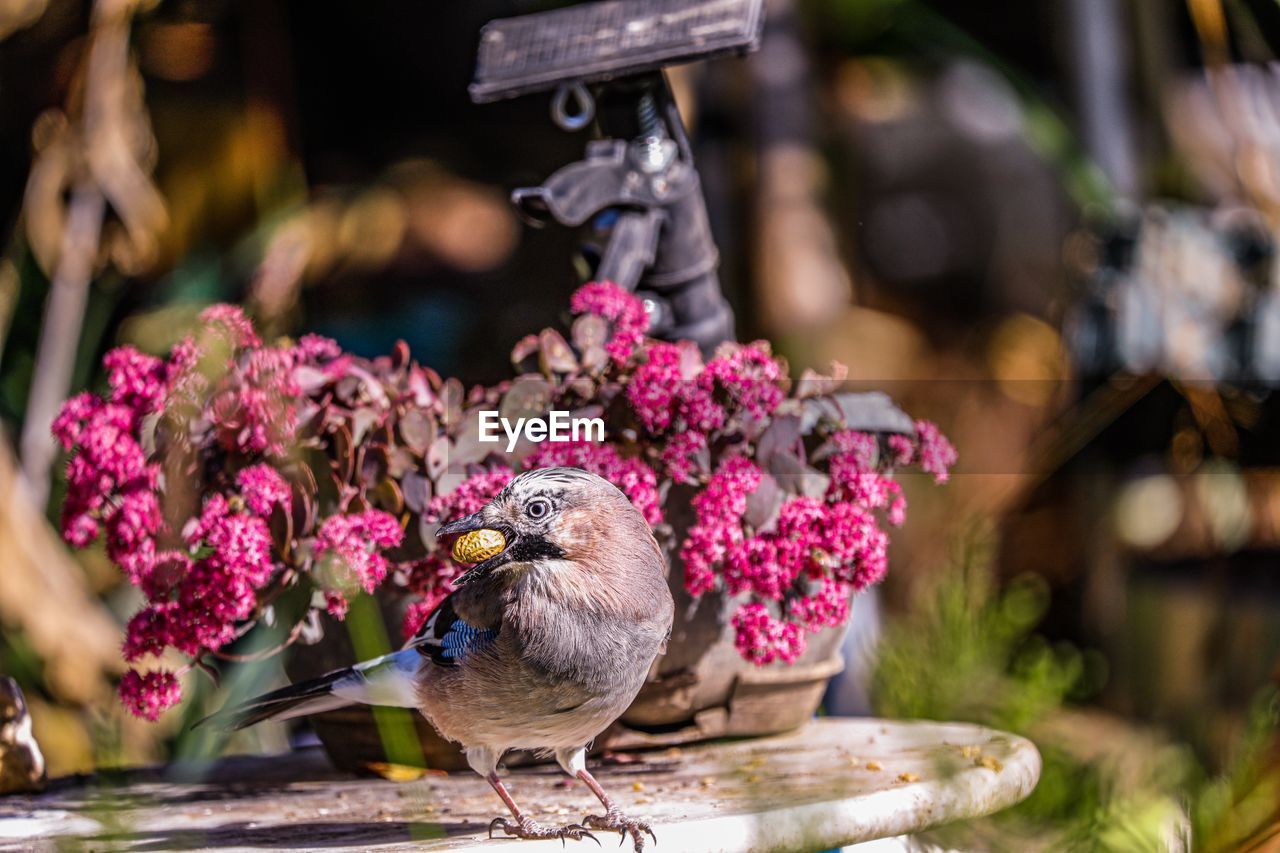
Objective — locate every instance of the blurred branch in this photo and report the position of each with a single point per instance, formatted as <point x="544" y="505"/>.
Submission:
<point x="103" y="158"/>
<point x="59" y="335"/>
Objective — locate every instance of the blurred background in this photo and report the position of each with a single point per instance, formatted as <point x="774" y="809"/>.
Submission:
<point x="1049" y="226"/>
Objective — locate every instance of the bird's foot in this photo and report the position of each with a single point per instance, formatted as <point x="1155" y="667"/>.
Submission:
<point x="527" y="827"/>
<point x="616" y="821"/>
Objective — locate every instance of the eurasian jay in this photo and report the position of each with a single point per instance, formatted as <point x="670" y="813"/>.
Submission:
<point x="539" y="647"/>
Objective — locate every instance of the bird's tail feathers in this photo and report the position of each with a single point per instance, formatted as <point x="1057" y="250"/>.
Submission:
<point x="388" y="680"/>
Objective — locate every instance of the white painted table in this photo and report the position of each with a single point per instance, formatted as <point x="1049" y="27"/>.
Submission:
<point x="831" y="784"/>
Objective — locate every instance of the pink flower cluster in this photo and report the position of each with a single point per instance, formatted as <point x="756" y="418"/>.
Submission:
<point x="934" y="453"/>
<point x="202" y="578"/>
<point x="150" y="695"/>
<point x="470" y="495"/>
<point x="752" y="377"/>
<point x="719" y="508"/>
<point x="671" y="388"/>
<point x="815" y="553"/>
<point x="349" y="552"/>
<point x="613" y="303"/>
<point x="263" y="489"/>
<point x="857" y="475"/>
<point x="763" y="639"/>
<point x="198" y="593"/>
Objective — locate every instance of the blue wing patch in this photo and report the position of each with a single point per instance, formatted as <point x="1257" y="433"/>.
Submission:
<point x="447" y="639"/>
<point x="462" y="638"/>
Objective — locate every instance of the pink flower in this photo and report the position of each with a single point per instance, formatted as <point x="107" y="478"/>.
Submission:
<point x="724" y="500"/>
<point x="718" y="509"/>
<point x="131" y="527"/>
<point x="79" y="529"/>
<point x="353" y="544"/>
<point x="109" y="446"/>
<point x="198" y="602"/>
<point x="470" y="495"/>
<point x="827" y="607"/>
<point x="754" y="566"/>
<point x="672" y="388"/>
<point x="69" y="424"/>
<point x="762" y="639"/>
<point x="861" y="446"/>
<point x="256" y="412"/>
<point x="751" y="376"/>
<point x="901" y="449"/>
<point x="149" y="695"/>
<point x="313" y="348"/>
<point x="336" y="604"/>
<point x="684" y="456"/>
<point x="934" y="453"/>
<point x="416" y="614"/>
<point x="148" y="632"/>
<point x="230" y="322"/>
<point x="854" y="544"/>
<point x="632" y="476"/>
<point x="655" y="385"/>
<point x="137" y="381"/>
<point x="698" y="406"/>
<point x="624" y="310"/>
<point x="263" y="489"/>
<point x="897" y="513"/>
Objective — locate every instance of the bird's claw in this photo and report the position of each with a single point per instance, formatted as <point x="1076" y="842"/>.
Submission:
<point x="529" y="828"/>
<point x="623" y="825"/>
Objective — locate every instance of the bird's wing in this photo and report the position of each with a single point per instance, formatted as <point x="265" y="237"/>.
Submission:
<point x="446" y="638"/>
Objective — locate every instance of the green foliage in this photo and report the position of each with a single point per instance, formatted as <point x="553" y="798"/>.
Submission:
<point x="1228" y="808"/>
<point x="967" y="651"/>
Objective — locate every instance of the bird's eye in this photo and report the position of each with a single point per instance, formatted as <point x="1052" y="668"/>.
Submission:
<point x="538" y="508"/>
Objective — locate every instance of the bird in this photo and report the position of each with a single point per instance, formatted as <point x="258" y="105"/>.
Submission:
<point x="539" y="647"/>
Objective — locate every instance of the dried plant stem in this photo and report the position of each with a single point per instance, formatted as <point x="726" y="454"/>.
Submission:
<point x="60" y="335"/>
<point x="254" y="657"/>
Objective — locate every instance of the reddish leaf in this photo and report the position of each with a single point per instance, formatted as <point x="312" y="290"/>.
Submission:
<point x="417" y="491"/>
<point x="388" y="496"/>
<point x="555" y="356"/>
<point x="452" y="396"/>
<point x="529" y="396"/>
<point x="781" y="436"/>
<point x="813" y="383"/>
<point x="399" y="354"/>
<point x="309" y="379"/>
<point x="362" y="421"/>
<point x="763" y="503"/>
<point x="524" y="348"/>
<point x="417" y="429"/>
<point x="589" y="331"/>
<point x="438" y="457"/>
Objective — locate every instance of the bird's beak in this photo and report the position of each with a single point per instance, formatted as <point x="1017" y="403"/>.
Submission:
<point x="473" y="522"/>
<point x="466" y="524"/>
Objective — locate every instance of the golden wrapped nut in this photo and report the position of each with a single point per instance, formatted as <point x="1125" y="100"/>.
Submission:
<point x="478" y="546"/>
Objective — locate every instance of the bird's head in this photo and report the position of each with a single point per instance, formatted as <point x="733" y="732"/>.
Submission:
<point x="558" y="516"/>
